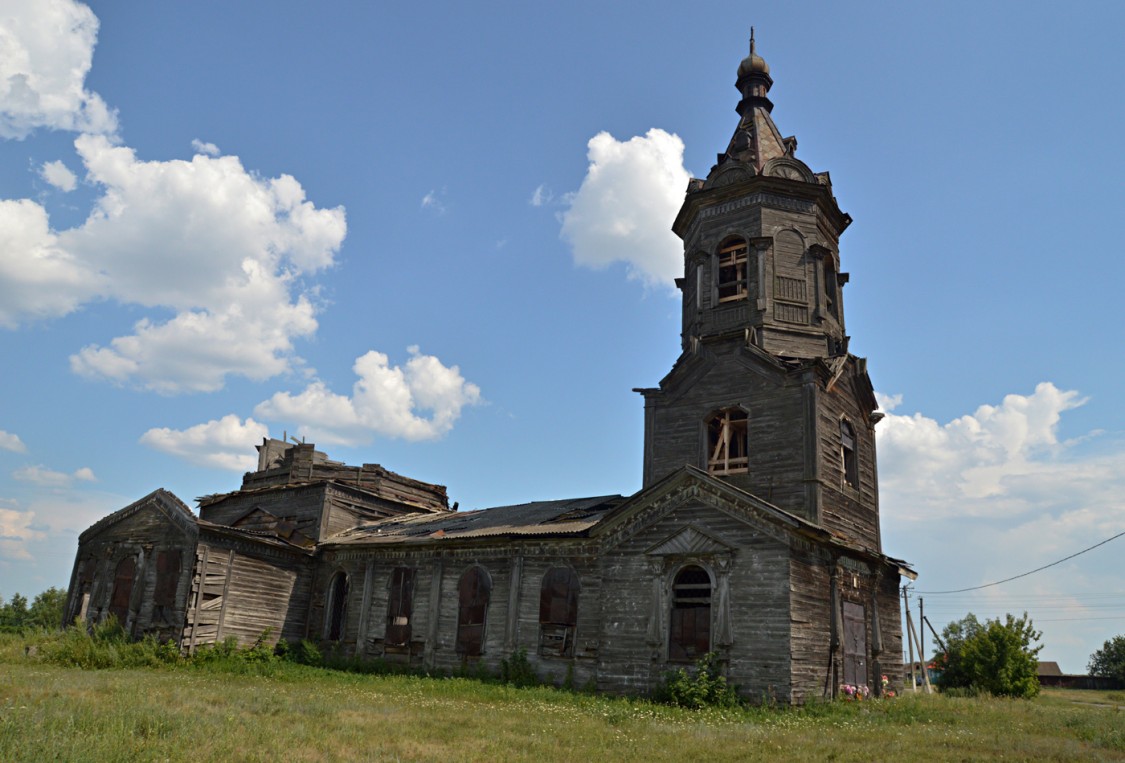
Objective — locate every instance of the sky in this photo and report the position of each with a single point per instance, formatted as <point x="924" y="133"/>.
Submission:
<point x="436" y="236"/>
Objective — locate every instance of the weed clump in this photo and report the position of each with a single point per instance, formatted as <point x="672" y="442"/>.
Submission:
<point x="705" y="686"/>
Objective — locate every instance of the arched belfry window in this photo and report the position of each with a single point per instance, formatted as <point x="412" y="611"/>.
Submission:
<point x="831" y="284"/>
<point x="849" y="465"/>
<point x="733" y="257"/>
<point x="558" y="612"/>
<point x="337" y="607"/>
<point x="689" y="627"/>
<point x="728" y="449"/>
<point x="473" y="593"/>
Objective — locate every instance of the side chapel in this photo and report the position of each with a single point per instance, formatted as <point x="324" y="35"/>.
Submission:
<point x="755" y="534"/>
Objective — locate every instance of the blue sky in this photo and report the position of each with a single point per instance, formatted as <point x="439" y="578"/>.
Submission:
<point x="436" y="237"/>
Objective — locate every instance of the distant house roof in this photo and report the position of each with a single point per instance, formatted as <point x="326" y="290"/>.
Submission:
<point x="1050" y="669"/>
<point x="570" y="516"/>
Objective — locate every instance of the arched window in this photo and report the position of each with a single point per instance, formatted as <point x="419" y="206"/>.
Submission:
<point x="848" y="463"/>
<point x="400" y="607"/>
<point x="473" y="593"/>
<point x="122" y="589"/>
<point x="830" y="286"/>
<point x="733" y="256"/>
<point x="689" y="632"/>
<point x="728" y="449"/>
<point x="558" y="612"/>
<point x="337" y="607"/>
<point x="167" y="581"/>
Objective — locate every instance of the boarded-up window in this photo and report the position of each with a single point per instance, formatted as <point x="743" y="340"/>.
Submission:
<point x="732" y="270"/>
<point x="473" y="593"/>
<point x="728" y="447"/>
<point x="855" y="644"/>
<point x="400" y="607"/>
<point x="558" y="612"/>
<point x="337" y="607"/>
<point x="122" y="589"/>
<point x="689" y="636"/>
<point x="167" y="581"/>
<point x="848" y="463"/>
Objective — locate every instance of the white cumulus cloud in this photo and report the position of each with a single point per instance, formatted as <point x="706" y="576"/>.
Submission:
<point x="44" y="477"/>
<point x="46" y="48"/>
<point x="621" y="213"/>
<point x="542" y="195"/>
<point x="981" y="463"/>
<point x="418" y="401"/>
<point x="16" y="531"/>
<point x="220" y="247"/>
<point x="202" y="147"/>
<point x="12" y="442"/>
<point x="59" y="175"/>
<point x="226" y="443"/>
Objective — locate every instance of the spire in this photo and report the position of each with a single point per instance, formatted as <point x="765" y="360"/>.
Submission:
<point x="754" y="80"/>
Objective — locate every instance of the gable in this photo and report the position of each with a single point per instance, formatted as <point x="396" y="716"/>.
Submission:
<point x="691" y="540"/>
<point x="158" y="507"/>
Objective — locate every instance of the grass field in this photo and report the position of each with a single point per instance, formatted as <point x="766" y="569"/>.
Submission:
<point x="298" y="713"/>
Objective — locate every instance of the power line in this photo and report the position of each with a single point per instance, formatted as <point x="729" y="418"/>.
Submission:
<point x="1025" y="574"/>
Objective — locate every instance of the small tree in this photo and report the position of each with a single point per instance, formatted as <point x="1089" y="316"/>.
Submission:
<point x="997" y="657"/>
<point x="47" y="609"/>
<point x="1109" y="661"/>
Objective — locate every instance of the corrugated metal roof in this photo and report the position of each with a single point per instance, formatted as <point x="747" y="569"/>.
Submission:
<point x="564" y="517"/>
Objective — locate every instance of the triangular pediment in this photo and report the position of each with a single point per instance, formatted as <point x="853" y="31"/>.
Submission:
<point x="691" y="540"/>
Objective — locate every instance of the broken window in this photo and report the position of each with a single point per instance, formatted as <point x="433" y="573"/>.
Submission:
<point x="472" y="607"/>
<point x="848" y="461"/>
<point x="728" y="450"/>
<point x="400" y="607"/>
<point x="733" y="257"/>
<point x="558" y="612"/>
<point x="167" y="581"/>
<point x="689" y="636"/>
<point x="337" y="607"/>
<point x="122" y="589"/>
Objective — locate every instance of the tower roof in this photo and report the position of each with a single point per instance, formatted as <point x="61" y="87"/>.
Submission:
<point x="756" y="140"/>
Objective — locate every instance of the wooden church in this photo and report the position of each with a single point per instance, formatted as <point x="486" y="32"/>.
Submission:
<point x="755" y="535"/>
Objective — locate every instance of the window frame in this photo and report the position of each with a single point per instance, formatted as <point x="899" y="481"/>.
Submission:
<point x="733" y="259"/>
<point x="680" y="648"/>
<point x="465" y="645"/>
<point x="336" y="607"/>
<point x="849" y="454"/>
<point x="732" y="434"/>
<point x="400" y="607"/>
<point x="558" y="624"/>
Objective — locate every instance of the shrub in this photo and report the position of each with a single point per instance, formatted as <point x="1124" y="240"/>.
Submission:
<point x="516" y="670"/>
<point x="706" y="688"/>
<point x="994" y="657"/>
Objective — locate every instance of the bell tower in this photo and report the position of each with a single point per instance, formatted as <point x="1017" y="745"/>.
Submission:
<point x="765" y="394"/>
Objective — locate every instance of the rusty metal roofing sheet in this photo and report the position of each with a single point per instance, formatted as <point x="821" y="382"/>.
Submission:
<point x="564" y="517"/>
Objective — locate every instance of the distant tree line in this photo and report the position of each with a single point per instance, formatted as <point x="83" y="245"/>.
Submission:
<point x="46" y="611"/>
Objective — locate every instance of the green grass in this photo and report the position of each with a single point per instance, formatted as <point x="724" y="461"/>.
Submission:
<point x="296" y="713"/>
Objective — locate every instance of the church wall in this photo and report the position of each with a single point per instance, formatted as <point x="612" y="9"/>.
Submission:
<point x="853" y="512"/>
<point x="141" y="536"/>
<point x="776" y="426"/>
<point x="633" y="656"/>
<point x="246" y="591"/>
<point x="302" y="504"/>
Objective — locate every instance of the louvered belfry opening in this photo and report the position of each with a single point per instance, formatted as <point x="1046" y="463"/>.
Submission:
<point x="689" y="636"/>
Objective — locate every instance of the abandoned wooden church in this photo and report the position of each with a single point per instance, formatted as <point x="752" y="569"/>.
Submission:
<point x="755" y="535"/>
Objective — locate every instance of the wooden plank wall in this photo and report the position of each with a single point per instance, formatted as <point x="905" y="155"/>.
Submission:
<point x="852" y="512"/>
<point x="235" y="593"/>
